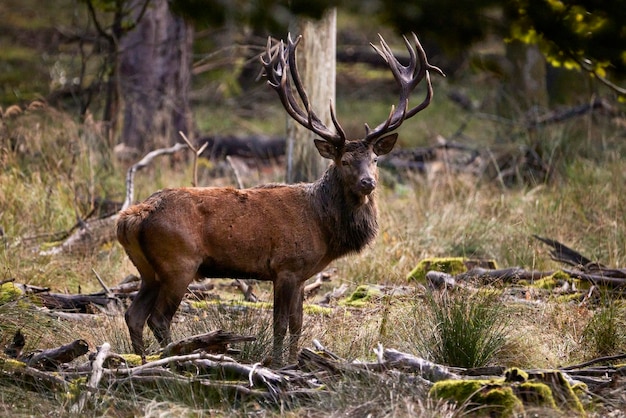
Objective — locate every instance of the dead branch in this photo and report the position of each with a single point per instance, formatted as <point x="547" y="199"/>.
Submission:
<point x="51" y="359"/>
<point x="74" y="303"/>
<point x="246" y="289"/>
<point x="94" y="380"/>
<point x="196" y="154"/>
<point x="255" y="374"/>
<point x="507" y="275"/>
<point x="144" y="162"/>
<point x="322" y="277"/>
<point x="431" y="371"/>
<point x="334" y="294"/>
<point x="564" y="254"/>
<point x="216" y="342"/>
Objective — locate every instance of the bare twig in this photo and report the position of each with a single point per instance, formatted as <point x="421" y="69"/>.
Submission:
<point x="246" y="289"/>
<point x="196" y="154"/>
<point x="147" y="159"/>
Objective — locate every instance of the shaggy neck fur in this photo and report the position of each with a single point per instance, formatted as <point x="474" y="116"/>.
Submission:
<point x="349" y="219"/>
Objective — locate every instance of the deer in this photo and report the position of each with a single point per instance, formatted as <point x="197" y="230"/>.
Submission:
<point x="283" y="233"/>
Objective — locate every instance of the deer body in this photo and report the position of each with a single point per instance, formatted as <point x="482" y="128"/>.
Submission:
<point x="279" y="233"/>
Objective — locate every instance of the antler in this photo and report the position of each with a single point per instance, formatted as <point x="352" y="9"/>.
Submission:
<point x="407" y="77"/>
<point x="279" y="61"/>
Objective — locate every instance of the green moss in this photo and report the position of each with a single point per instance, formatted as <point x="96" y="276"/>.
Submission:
<point x="360" y="297"/>
<point x="515" y="375"/>
<point x="9" y="293"/>
<point x="563" y="393"/>
<point x="491" y="395"/>
<point x="317" y="310"/>
<point x="135" y="360"/>
<point x="537" y="394"/>
<point x="552" y="281"/>
<point x="569" y="297"/>
<point x="75" y="388"/>
<point x="450" y="265"/>
<point x="10" y="364"/>
<point x="546" y="389"/>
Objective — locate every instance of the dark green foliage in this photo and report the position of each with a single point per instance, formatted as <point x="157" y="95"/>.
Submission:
<point x="268" y="15"/>
<point x="454" y="25"/>
<point x="584" y="32"/>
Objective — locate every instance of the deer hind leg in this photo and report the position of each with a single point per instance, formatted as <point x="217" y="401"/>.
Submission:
<point x="141" y="307"/>
<point x="171" y="293"/>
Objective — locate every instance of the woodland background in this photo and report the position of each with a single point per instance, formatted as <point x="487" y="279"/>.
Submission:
<point x="525" y="136"/>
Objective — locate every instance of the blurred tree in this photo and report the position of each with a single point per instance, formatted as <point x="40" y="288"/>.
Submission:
<point x="316" y="64"/>
<point x="154" y="77"/>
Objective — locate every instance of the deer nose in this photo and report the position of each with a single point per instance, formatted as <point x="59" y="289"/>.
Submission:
<point x="368" y="184"/>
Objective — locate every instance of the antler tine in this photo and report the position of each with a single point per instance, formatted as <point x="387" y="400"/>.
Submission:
<point x="278" y="66"/>
<point x="275" y="67"/>
<point x="407" y="77"/>
<point x="427" y="67"/>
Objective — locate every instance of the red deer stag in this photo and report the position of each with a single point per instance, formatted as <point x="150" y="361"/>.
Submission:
<point x="280" y="233"/>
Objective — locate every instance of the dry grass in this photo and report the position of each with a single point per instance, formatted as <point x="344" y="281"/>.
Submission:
<point x="53" y="168"/>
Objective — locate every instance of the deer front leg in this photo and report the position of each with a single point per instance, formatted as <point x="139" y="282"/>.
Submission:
<point x="287" y="295"/>
<point x="295" y="322"/>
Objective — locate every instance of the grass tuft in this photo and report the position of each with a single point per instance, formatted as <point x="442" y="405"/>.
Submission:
<point x="466" y="330"/>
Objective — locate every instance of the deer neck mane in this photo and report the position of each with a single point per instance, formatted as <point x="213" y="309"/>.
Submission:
<point x="349" y="220"/>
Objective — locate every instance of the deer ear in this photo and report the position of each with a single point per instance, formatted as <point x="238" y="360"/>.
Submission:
<point x="385" y="144"/>
<point x="326" y="149"/>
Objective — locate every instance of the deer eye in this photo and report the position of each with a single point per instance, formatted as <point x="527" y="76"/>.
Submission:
<point x="375" y="160"/>
<point x="345" y="162"/>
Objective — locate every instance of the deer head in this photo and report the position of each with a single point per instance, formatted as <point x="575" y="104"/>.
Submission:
<point x="281" y="70"/>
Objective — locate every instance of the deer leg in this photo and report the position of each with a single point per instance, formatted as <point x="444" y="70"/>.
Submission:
<point x="295" y="321"/>
<point x="139" y="310"/>
<point x="284" y="291"/>
<point x="165" y="307"/>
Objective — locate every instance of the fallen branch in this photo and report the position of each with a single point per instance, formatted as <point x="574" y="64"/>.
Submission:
<point x="336" y="293"/>
<point x="322" y="277"/>
<point x="94" y="380"/>
<point x="430" y="371"/>
<point x="144" y="162"/>
<point x="51" y="359"/>
<point x="213" y="342"/>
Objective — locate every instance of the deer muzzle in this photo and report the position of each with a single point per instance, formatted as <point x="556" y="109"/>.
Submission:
<point x="367" y="185"/>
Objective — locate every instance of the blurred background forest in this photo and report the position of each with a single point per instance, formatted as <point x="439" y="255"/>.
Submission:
<point x="147" y="69"/>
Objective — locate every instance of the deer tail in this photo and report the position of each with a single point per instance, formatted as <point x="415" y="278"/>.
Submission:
<point x="129" y="223"/>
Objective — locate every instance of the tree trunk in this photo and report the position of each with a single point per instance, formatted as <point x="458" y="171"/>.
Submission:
<point x="525" y="87"/>
<point x="316" y="64"/>
<point x="155" y="74"/>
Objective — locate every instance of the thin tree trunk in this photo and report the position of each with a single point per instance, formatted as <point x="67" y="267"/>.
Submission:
<point x="525" y="87"/>
<point x="316" y="62"/>
<point x="155" y="74"/>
